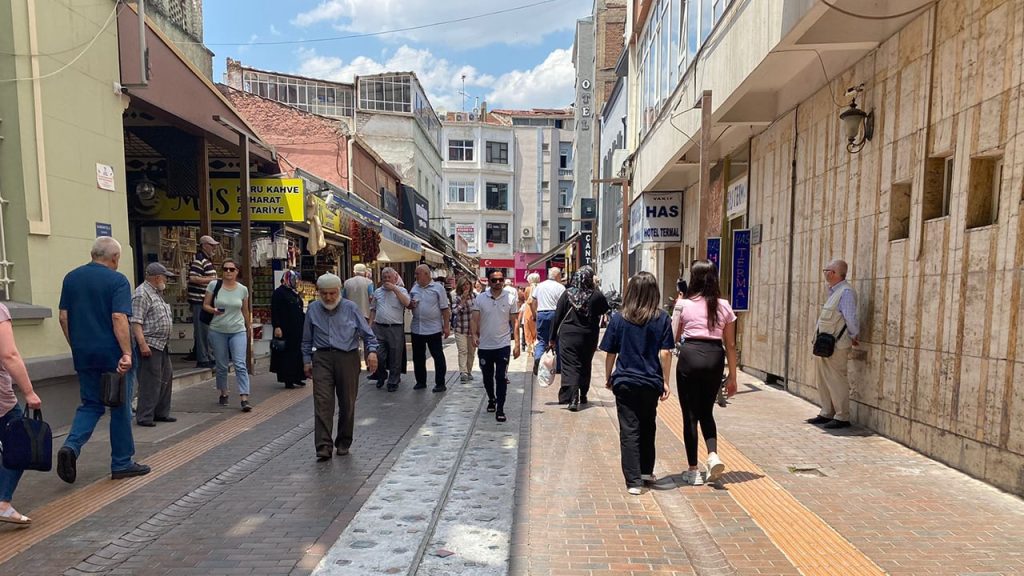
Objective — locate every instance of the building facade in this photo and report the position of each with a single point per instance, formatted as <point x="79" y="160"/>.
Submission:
<point x="480" y="173"/>
<point x="926" y="211"/>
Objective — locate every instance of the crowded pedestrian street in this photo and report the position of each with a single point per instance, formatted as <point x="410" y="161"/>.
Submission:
<point x="433" y="485"/>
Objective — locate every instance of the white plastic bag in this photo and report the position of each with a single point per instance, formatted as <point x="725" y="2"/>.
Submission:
<point x="547" y="367"/>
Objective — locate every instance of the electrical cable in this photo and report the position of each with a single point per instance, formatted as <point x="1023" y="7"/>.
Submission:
<point x="824" y="72"/>
<point x="113" y="13"/>
<point x="872" y="17"/>
<point x="382" y="32"/>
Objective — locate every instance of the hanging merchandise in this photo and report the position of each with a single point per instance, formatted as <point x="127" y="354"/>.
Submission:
<point x="357" y="241"/>
<point x="316" y="230"/>
<point x="279" y="251"/>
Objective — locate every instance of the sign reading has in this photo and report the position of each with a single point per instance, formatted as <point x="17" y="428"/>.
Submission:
<point x="656" y="218"/>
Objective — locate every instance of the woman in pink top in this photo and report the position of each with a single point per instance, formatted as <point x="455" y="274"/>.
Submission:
<point x="705" y="321"/>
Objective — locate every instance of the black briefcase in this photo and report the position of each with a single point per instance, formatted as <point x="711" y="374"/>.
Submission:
<point x="28" y="443"/>
<point x="113" y="389"/>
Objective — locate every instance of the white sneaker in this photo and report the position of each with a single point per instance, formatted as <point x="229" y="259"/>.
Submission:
<point x="635" y="491"/>
<point x="693" y="478"/>
<point x="649" y="478"/>
<point x="715" y="467"/>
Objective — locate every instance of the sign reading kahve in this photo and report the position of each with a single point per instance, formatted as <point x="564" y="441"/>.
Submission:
<point x="656" y="218"/>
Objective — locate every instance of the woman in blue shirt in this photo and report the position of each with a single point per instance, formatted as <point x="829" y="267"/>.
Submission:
<point x="638" y="343"/>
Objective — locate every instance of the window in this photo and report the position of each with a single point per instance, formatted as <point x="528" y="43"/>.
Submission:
<point x="497" y="233"/>
<point x="462" y="192"/>
<point x="938" y="186"/>
<point x="899" y="211"/>
<point x="460" y="150"/>
<point x="545" y="147"/>
<point x="388" y="93"/>
<point x="986" y="178"/>
<point x="497" y="152"/>
<point x="497" y="196"/>
<point x="564" y="197"/>
<point x="545" y="185"/>
<point x="563" y="232"/>
<point x="326" y="99"/>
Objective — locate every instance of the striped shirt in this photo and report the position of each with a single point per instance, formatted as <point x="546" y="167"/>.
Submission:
<point x="203" y="268"/>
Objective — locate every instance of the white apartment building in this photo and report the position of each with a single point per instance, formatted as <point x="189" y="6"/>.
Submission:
<point x="479" y="182"/>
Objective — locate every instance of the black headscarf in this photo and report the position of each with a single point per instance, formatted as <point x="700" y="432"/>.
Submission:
<point x="580" y="290"/>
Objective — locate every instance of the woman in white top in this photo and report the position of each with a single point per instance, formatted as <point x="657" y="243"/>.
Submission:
<point x="705" y="321"/>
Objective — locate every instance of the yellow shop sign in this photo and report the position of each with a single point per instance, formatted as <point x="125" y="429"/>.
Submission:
<point x="270" y="200"/>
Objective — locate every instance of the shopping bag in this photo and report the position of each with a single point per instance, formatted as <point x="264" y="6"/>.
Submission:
<point x="545" y="373"/>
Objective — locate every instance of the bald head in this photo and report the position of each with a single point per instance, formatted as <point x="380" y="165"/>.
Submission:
<point x="423" y="275"/>
<point x="106" y="251"/>
<point x="835" y="272"/>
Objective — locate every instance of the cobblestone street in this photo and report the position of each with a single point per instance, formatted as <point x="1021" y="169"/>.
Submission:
<point x="435" y="486"/>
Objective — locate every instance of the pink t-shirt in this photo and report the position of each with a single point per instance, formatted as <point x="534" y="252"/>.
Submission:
<point x="693" y="314"/>
<point x="7" y="397"/>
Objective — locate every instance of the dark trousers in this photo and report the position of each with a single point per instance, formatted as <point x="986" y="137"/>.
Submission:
<point x="698" y="379"/>
<point x="420" y="343"/>
<point x="154" y="375"/>
<point x="576" y="352"/>
<point x="335" y="378"/>
<point x="390" y="352"/>
<point x="494" y="366"/>
<point x="637" y="407"/>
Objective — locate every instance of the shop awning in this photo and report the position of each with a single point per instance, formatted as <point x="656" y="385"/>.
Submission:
<point x="398" y="246"/>
<point x="560" y="249"/>
<point x="176" y="87"/>
<point x="432" y="256"/>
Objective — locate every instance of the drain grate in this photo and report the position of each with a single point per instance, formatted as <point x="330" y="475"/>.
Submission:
<point x="806" y="471"/>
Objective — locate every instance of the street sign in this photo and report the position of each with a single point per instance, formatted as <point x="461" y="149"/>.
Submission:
<point x="740" y="270"/>
<point x="715" y="251"/>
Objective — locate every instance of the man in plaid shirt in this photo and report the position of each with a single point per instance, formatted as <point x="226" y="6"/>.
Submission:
<point x="151" y="326"/>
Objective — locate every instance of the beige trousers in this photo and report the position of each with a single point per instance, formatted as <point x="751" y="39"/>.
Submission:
<point x="834" y="385"/>
<point x="464" y="342"/>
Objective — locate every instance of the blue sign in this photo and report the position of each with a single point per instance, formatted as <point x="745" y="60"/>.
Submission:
<point x="400" y="238"/>
<point x="104" y="229"/>
<point x="715" y="251"/>
<point x="740" y="270"/>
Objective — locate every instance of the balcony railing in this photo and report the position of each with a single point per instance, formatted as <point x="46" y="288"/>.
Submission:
<point x="565" y="171"/>
<point x="565" y="209"/>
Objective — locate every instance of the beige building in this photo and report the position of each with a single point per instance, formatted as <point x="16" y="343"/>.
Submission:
<point x="927" y="211"/>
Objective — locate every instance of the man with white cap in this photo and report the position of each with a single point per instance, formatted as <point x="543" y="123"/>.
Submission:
<point x="151" y="327"/>
<point x="200" y="273"/>
<point x="330" y="350"/>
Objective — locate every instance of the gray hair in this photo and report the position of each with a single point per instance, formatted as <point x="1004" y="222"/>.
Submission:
<point x="533" y="278"/>
<point x="841" y="267"/>
<point x="328" y="281"/>
<point x="388" y="270"/>
<point x="105" y="249"/>
<point x="555" y="273"/>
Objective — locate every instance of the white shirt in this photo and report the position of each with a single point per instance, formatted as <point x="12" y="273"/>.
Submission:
<point x="387" y="307"/>
<point x="547" y="294"/>
<point x="495" y="318"/>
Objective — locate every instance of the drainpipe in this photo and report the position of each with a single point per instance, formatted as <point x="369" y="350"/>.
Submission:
<point x="792" y="237"/>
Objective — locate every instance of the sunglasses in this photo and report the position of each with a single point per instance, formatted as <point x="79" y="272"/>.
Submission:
<point x="496" y="280"/>
<point x="230" y="269"/>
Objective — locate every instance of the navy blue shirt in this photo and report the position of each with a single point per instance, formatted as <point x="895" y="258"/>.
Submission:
<point x="638" y="348"/>
<point x="91" y="294"/>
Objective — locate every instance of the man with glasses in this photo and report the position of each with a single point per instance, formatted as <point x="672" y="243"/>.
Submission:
<point x="387" y="317"/>
<point x="838" y="317"/>
<point x="493" y="327"/>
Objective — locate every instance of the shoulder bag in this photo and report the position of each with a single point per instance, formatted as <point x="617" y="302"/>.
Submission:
<point x="207" y="317"/>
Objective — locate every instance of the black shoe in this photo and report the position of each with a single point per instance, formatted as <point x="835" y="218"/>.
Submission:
<point x="223" y="401"/>
<point x="583" y="400"/>
<point x="322" y="457"/>
<point x="246" y="407"/>
<point x="536" y="365"/>
<point x="380" y="383"/>
<point x="817" y="420"/>
<point x="67" y="467"/>
<point x="419" y="387"/>
<point x="837" y="424"/>
<point x="135" y="469"/>
<point x="165" y="419"/>
<point x="392" y="387"/>
<point x="289" y="386"/>
<point x="574" y="406"/>
<point x="439" y="389"/>
<point x="500" y="416"/>
<point x="206" y="365"/>
<point x="145" y="424"/>
<point x="301" y="384"/>
<point x="491" y="406"/>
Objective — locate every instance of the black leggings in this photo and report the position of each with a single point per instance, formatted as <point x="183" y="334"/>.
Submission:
<point x="698" y="379"/>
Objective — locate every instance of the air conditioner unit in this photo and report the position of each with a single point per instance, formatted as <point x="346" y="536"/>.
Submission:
<point x="472" y="117"/>
<point x="527" y="233"/>
<point x="458" y="117"/>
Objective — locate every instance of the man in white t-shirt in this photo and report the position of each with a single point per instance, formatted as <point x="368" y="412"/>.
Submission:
<point x="544" y="300"/>
<point x="493" y="327"/>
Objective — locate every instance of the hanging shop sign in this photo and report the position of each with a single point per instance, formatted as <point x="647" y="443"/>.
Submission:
<point x="740" y="270"/>
<point x="270" y="200"/>
<point x="585" y="248"/>
<point x="465" y="238"/>
<point x="656" y="218"/>
<point x="736" y="198"/>
<point x="389" y="202"/>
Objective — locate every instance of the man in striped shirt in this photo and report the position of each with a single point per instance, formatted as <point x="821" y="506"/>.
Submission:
<point x="200" y="273"/>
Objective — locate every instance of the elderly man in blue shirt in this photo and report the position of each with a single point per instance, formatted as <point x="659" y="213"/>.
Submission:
<point x="330" y="351"/>
<point x="838" y="317"/>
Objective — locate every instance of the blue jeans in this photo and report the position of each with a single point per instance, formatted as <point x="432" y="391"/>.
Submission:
<point x="9" y="478"/>
<point x="200" y="335"/>
<point x="122" y="444"/>
<point x="230" y="348"/>
<point x="544" y="325"/>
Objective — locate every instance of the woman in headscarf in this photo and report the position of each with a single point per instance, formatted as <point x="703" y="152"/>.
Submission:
<point x="529" y="317"/>
<point x="576" y="328"/>
<point x="287" y="316"/>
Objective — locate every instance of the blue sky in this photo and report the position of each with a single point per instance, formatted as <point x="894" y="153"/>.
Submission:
<point x="519" y="59"/>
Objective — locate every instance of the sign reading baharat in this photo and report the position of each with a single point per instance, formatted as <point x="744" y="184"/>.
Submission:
<point x="270" y="200"/>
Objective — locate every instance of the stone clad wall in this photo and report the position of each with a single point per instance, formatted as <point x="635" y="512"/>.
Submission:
<point x="941" y="365"/>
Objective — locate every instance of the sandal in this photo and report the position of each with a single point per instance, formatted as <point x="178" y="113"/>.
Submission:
<point x="500" y="417"/>
<point x="12" y="516"/>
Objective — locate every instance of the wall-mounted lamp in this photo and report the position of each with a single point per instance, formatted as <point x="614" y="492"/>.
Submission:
<point x="858" y="124"/>
<point x="145" y="189"/>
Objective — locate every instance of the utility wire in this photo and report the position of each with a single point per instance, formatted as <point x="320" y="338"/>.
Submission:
<point x="873" y="17"/>
<point x="382" y="32"/>
<point x="114" y="12"/>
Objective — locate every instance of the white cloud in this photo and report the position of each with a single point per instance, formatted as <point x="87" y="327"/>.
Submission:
<point x="245" y="47"/>
<point x="549" y="84"/>
<point x="274" y="31"/>
<point x="526" y="26"/>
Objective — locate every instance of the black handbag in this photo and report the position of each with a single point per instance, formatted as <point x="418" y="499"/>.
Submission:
<point x="207" y="317"/>
<point x="27" y="443"/>
<point x="278" y="345"/>
<point x="825" y="343"/>
<point x="113" y="389"/>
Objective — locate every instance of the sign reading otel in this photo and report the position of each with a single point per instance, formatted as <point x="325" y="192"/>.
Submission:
<point x="655" y="218"/>
<point x="270" y="200"/>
